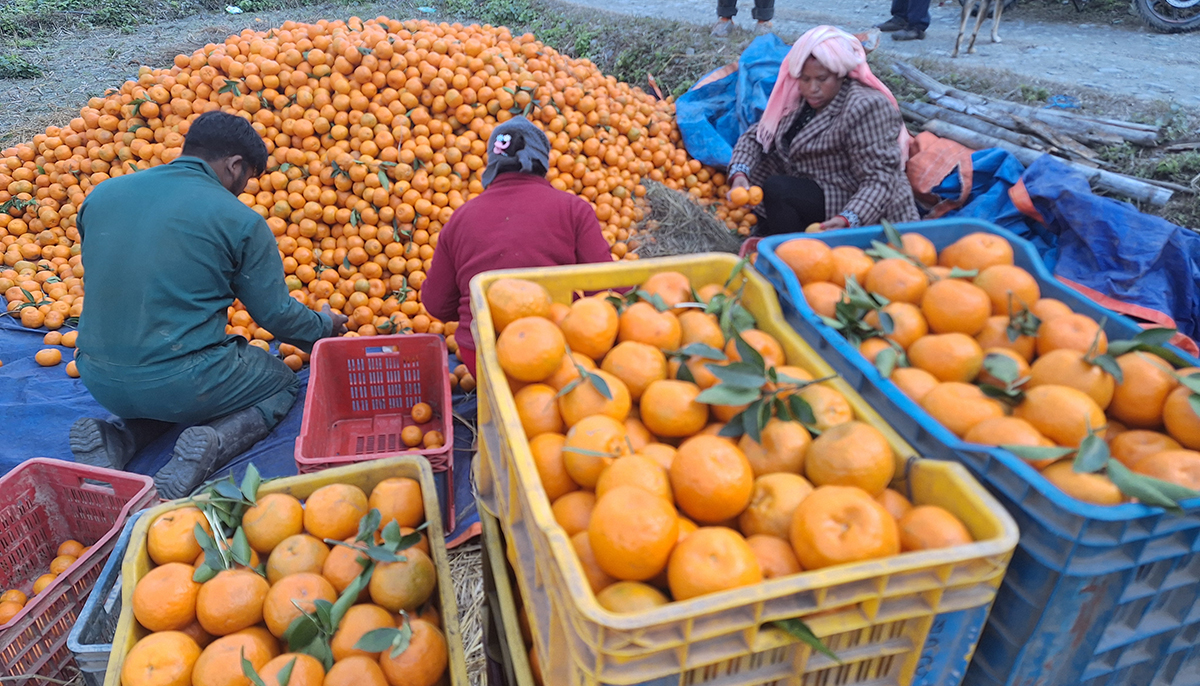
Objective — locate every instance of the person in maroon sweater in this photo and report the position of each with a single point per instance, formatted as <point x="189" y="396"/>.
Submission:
<point x="518" y="221"/>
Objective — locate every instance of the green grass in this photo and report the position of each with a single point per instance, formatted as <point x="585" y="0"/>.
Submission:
<point x="16" y="66"/>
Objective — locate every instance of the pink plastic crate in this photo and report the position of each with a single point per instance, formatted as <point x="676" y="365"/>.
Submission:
<point x="44" y="502"/>
<point x="361" y="392"/>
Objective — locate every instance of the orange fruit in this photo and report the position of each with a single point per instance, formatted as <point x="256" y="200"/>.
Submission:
<point x="1008" y="431"/>
<point x="829" y="407"/>
<point x="296" y="554"/>
<point x="661" y="453"/>
<point x="1010" y="288"/>
<point x="231" y="601"/>
<point x="697" y="366"/>
<point x="220" y="664"/>
<point x="976" y="251"/>
<point x="672" y="287"/>
<point x="775" y="556"/>
<point x="548" y="459"/>
<point x="851" y="454"/>
<point x="823" y="297"/>
<point x="1070" y="331"/>
<point x="590" y="328"/>
<point x="306" y="670"/>
<point x="568" y="371"/>
<point x="908" y="323"/>
<point x="1139" y="399"/>
<point x="1046" y="309"/>
<point x="712" y="479"/>
<point x="61" y="564"/>
<point x="773" y="503"/>
<point x="913" y="382"/>
<point x="1180" y="467"/>
<point x="960" y="406"/>
<point x="632" y="532"/>
<point x="42" y="582"/>
<point x="558" y="312"/>
<point x="781" y="448"/>
<point x="871" y="348"/>
<point x="669" y="408"/>
<point x="165" y="598"/>
<point x="643" y="323"/>
<point x="412" y="436"/>
<point x="14" y="596"/>
<point x="398" y="499"/>
<point x="894" y="502"/>
<point x="953" y="306"/>
<point x="171" y="537"/>
<point x="70" y="547"/>
<point x="590" y="447"/>
<point x="635" y="470"/>
<point x="639" y="435"/>
<point x="8" y="610"/>
<point x="809" y="258"/>
<point x="293" y="595"/>
<point x="849" y="261"/>
<point x="357" y="621"/>
<point x="1062" y="414"/>
<point x="995" y="335"/>
<point x="919" y="248"/>
<point x="637" y="364"/>
<point x="597" y="578"/>
<point x="530" y="349"/>
<point x="1066" y="367"/>
<point x="841" y="524"/>
<point x="404" y="585"/>
<point x="698" y="327"/>
<point x="424" y="661"/>
<point x="630" y="596"/>
<point x="948" y="356"/>
<point x="1090" y="488"/>
<point x="585" y="400"/>
<point x="334" y="511"/>
<point x="710" y="560"/>
<point x="1129" y="447"/>
<point x="164" y="658"/>
<point x="48" y="357"/>
<point x="573" y="511"/>
<point x="511" y="299"/>
<point x="926" y="527"/>
<point x="1180" y="419"/>
<point x="421" y="413"/>
<point x="897" y="280"/>
<point x="343" y="565"/>
<point x="992" y="356"/>
<point x="355" y="671"/>
<point x="274" y="517"/>
<point x="761" y="341"/>
<point x="537" y="408"/>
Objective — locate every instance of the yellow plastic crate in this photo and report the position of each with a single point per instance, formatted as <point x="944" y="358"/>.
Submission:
<point x="364" y="475"/>
<point x="516" y="659"/>
<point x="910" y="619"/>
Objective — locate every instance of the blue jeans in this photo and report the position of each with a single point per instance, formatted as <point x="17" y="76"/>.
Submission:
<point x="915" y="11"/>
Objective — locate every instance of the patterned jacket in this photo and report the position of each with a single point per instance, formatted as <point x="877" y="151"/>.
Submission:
<point x="849" y="148"/>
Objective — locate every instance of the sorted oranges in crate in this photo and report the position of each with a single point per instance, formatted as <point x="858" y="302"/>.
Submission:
<point x="340" y="586"/>
<point x="13" y="600"/>
<point x="683" y="456"/>
<point x="967" y="335"/>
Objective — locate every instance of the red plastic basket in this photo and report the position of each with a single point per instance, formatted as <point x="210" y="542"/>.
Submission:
<point x="44" y="502"/>
<point x="361" y="392"/>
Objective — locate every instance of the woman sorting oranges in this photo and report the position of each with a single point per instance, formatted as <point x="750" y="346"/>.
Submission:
<point x="518" y="221"/>
<point x="830" y="147"/>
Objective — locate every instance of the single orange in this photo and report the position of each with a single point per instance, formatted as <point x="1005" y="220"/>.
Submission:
<point x="913" y="382"/>
<point x="292" y="596"/>
<point x="1009" y="431"/>
<point x="1066" y="367"/>
<point x="672" y="287"/>
<point x="781" y="448"/>
<point x="591" y="446"/>
<point x="421" y="413"/>
<point x="841" y="524"/>
<point x="897" y="280"/>
<point x="530" y="349"/>
<point x="632" y="533"/>
<point x="1090" y="488"/>
<point x="1046" y="309"/>
<point x="712" y="479"/>
<point x="231" y="601"/>
<point x="548" y="459"/>
<point x="165" y="598"/>
<point x="810" y="259"/>
<point x="220" y="664"/>
<point x="630" y="596"/>
<point x="344" y="565"/>
<point x="61" y="564"/>
<point x="991" y="357"/>
<point x="669" y="408"/>
<point x="274" y="517"/>
<point x="635" y="470"/>
<point x="597" y="578"/>
<point x="960" y="406"/>
<point x="70" y="547"/>
<point x="775" y="556"/>
<point x="306" y="670"/>
<point x="404" y="585"/>
<point x="953" y="306"/>
<point x="590" y="328"/>
<point x="1010" y="288"/>
<point x="851" y="454"/>
<point x="43" y="582"/>
<point x="710" y="560"/>
<point x="772" y="504"/>
<point x="357" y="621"/>
<point x="1131" y="446"/>
<point x="334" y="511"/>
<point x="8" y="610"/>
<point x="976" y="251"/>
<point x="423" y="663"/>
<point x="995" y="335"/>
<point x="637" y="364"/>
<point x="586" y="399"/>
<point x="1139" y="399"/>
<point x="171" y="537"/>
<point x="1181" y="467"/>
<point x="573" y="511"/>
<point x="1180" y="419"/>
<point x="296" y="554"/>
<point x="642" y="323"/>
<point x="1070" y="331"/>
<point x="849" y="261"/>
<point x="700" y="327"/>
<point x="761" y="341"/>
<point x="894" y="502"/>
<point x="823" y="297"/>
<point x="164" y="658"/>
<point x="949" y="356"/>
<point x="511" y="299"/>
<point x="1064" y="415"/>
<point x="355" y="670"/>
<point x="399" y="500"/>
<point x="907" y="323"/>
<point x="926" y="527"/>
<point x="829" y="407"/>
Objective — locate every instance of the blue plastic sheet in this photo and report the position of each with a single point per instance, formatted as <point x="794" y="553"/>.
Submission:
<point x="713" y="116"/>
<point x="39" y="404"/>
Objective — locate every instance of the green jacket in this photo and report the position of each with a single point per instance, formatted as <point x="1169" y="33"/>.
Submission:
<point x="165" y="252"/>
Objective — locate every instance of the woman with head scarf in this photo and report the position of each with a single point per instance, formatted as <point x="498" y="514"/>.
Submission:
<point x="518" y="221"/>
<point x="831" y="145"/>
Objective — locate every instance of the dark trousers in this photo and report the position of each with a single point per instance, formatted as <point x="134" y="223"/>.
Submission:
<point x="764" y="10"/>
<point x="916" y="12"/>
<point x="791" y="204"/>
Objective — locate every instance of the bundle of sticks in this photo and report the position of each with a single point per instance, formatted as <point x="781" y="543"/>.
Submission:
<point x="1030" y="132"/>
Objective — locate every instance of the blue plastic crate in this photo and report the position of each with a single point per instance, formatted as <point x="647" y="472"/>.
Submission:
<point x="1094" y="595"/>
<point x="90" y="640"/>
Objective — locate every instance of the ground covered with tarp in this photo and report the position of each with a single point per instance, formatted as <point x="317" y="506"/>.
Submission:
<point x="1134" y="263"/>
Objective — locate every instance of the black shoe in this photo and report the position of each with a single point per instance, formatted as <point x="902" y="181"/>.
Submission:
<point x="202" y="450"/>
<point x="909" y="34"/>
<point x="893" y="24"/>
<point x="113" y="443"/>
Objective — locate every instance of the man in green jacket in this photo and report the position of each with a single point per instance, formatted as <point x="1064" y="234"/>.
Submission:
<point x="166" y="251"/>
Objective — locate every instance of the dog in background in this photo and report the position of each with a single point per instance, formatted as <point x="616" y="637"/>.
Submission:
<point x="983" y="5"/>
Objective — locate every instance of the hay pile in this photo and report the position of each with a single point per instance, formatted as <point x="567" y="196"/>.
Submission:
<point x="678" y="225"/>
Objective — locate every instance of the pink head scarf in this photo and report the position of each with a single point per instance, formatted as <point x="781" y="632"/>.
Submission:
<point x="837" y="51"/>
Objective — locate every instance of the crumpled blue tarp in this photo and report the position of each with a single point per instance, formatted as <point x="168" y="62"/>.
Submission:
<point x="711" y="118"/>
<point x="39" y="404"/>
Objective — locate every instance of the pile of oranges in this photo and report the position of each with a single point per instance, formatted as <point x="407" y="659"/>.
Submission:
<point x="377" y="132"/>
<point x="618" y="398"/>
<point x="13" y="600"/>
<point x="301" y="558"/>
<point x="956" y="320"/>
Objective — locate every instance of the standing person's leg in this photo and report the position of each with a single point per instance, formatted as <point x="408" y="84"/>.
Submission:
<point x="918" y="20"/>
<point x="899" y="19"/>
<point x="791" y="205"/>
<point x="726" y="10"/>
<point x="764" y="12"/>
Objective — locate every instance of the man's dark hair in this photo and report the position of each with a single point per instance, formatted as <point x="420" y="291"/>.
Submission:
<point x="217" y="135"/>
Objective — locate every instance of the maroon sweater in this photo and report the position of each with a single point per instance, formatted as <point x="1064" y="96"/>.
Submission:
<point x="520" y="221"/>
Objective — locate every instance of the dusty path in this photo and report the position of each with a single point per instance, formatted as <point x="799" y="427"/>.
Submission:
<point x="1129" y="60"/>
